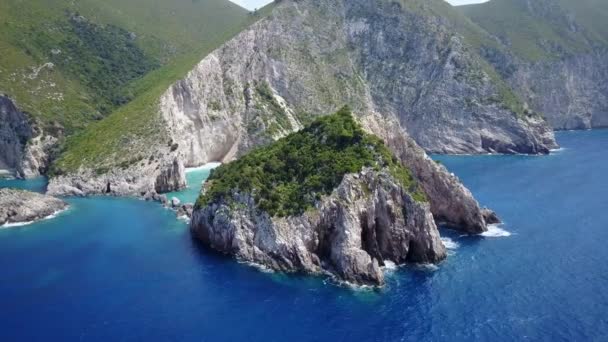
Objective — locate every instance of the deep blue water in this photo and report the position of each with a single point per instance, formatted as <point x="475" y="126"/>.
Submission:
<point x="121" y="269"/>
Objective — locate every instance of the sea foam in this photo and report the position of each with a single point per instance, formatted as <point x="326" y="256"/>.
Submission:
<point x="449" y="243"/>
<point x="494" y="230"/>
<point x="389" y="266"/>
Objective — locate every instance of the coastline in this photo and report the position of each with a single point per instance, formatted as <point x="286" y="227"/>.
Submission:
<point x="26" y="223"/>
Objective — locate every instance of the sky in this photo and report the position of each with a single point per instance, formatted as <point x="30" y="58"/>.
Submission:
<point x="253" y="4"/>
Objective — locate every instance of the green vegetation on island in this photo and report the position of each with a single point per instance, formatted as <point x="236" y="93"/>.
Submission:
<point x="289" y="176"/>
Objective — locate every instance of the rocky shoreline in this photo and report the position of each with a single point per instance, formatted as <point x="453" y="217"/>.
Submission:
<point x="22" y="207"/>
<point x="163" y="175"/>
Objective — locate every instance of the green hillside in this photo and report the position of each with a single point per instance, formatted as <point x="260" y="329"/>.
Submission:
<point x="136" y="126"/>
<point x="545" y="28"/>
<point x="72" y="62"/>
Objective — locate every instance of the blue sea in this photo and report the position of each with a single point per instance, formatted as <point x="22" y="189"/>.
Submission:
<point x="122" y="269"/>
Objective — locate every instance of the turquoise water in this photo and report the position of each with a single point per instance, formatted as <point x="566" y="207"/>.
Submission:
<point x="195" y="179"/>
<point x="36" y="184"/>
<point x="122" y="269"/>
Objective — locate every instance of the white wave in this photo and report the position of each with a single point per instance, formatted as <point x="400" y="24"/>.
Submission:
<point x="184" y="218"/>
<point x="557" y="150"/>
<point x="21" y="224"/>
<point x="428" y="267"/>
<point x="6" y="174"/>
<point x="449" y="243"/>
<point x="259" y="267"/>
<point x="494" y="230"/>
<point x="208" y="166"/>
<point x="352" y="286"/>
<point x="389" y="266"/>
<point x="16" y="224"/>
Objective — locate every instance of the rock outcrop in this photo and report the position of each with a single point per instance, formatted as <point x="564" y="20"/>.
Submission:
<point x="19" y="206"/>
<point x="24" y="148"/>
<point x="15" y="132"/>
<point x="38" y="155"/>
<point x="451" y="202"/>
<point x="369" y="219"/>
<point x="159" y="175"/>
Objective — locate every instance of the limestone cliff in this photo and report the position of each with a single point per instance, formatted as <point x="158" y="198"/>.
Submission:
<point x="451" y="202"/>
<point x="368" y="220"/>
<point x="554" y="53"/>
<point x="572" y="92"/>
<point x="24" y="148"/>
<point x="15" y="131"/>
<point x="310" y="57"/>
<point x="401" y="69"/>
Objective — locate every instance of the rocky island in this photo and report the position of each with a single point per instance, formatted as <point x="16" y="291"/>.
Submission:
<point x="19" y="206"/>
<point x="328" y="199"/>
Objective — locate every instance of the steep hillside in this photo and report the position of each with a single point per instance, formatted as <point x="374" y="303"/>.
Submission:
<point x="308" y="58"/>
<point x="398" y="68"/>
<point x="554" y="55"/>
<point x="66" y="64"/>
<point x="68" y="61"/>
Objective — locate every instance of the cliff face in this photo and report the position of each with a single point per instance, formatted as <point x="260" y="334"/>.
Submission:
<point x="24" y="149"/>
<point x="15" y="131"/>
<point x="163" y="174"/>
<point x="554" y="53"/>
<point x="572" y="92"/>
<point x="310" y="57"/>
<point x="369" y="219"/>
<point x="451" y="202"/>
<point x="399" y="69"/>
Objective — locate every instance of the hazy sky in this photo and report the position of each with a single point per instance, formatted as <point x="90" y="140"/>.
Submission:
<point x="253" y="4"/>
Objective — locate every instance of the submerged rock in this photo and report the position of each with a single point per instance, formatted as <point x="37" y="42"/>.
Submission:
<point x="367" y="220"/>
<point x="19" y="206"/>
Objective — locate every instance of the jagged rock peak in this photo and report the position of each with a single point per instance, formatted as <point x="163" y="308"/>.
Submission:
<point x="329" y="199"/>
